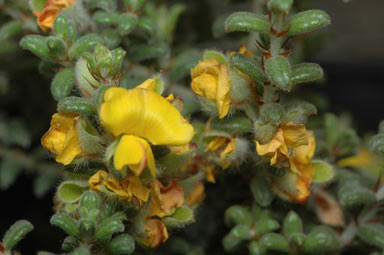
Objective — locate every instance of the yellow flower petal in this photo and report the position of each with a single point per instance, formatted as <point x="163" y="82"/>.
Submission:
<point x="210" y="173"/>
<point x="304" y="153"/>
<point x="223" y="99"/>
<point x="137" y="189"/>
<point x="51" y="10"/>
<point x="116" y="187"/>
<point x="210" y="79"/>
<point x="205" y="85"/>
<point x="148" y="84"/>
<point x="146" y="114"/>
<point x="303" y="183"/>
<point x="216" y="143"/>
<point x="62" y="138"/>
<point x="134" y="152"/>
<point x="97" y="179"/>
<point x="294" y="134"/>
<point x="165" y="200"/>
<point x="231" y="146"/>
<point x="363" y="158"/>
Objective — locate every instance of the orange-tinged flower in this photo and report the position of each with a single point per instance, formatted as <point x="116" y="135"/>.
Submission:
<point x="288" y="136"/>
<point x="130" y="189"/>
<point x="165" y="200"/>
<point x="62" y="138"/>
<point x="156" y="233"/>
<point x="51" y="10"/>
<point x="210" y="79"/>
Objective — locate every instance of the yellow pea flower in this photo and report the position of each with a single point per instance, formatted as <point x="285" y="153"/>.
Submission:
<point x="139" y="114"/>
<point x="363" y="158"/>
<point x="223" y="146"/>
<point x="210" y="79"/>
<point x="130" y="189"/>
<point x="300" y="165"/>
<point x="51" y="10"/>
<point x="165" y="200"/>
<point x="288" y="136"/>
<point x="62" y="138"/>
<point x="156" y="233"/>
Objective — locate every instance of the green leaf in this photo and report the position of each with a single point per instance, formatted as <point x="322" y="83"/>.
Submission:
<point x="306" y="72"/>
<point x="147" y="25"/>
<point x="242" y="232"/>
<point x="265" y="225"/>
<point x="246" y="21"/>
<point x="62" y="84"/>
<point x="37" y="5"/>
<point x="292" y="224"/>
<point x="235" y="124"/>
<point x="109" y="227"/>
<point x="90" y="200"/>
<point x="9" y="171"/>
<point x="37" y="44"/>
<point x="323" y="171"/>
<point x="123" y="244"/>
<point x="250" y="67"/>
<point x="376" y="144"/>
<point x="237" y="214"/>
<point x="144" y="52"/>
<point x="255" y="248"/>
<point x="274" y="241"/>
<point x="307" y="21"/>
<point x="213" y="54"/>
<point x="331" y="124"/>
<point x="300" y="112"/>
<point x="69" y="243"/>
<point x="9" y="29"/>
<point x="231" y="243"/>
<point x="15" y="233"/>
<point x="127" y="22"/>
<point x="180" y="217"/>
<point x="280" y="6"/>
<point x="66" y="223"/>
<point x="83" y="44"/>
<point x="71" y="191"/>
<point x="261" y="191"/>
<point x="353" y="195"/>
<point x="272" y="113"/>
<point x="321" y="240"/>
<point x="106" y="18"/>
<point x="84" y="78"/>
<point x="111" y="38"/>
<point x="279" y="72"/>
<point x="372" y="234"/>
<point x="57" y="46"/>
<point x="173" y="162"/>
<point x="60" y="28"/>
<point x="44" y="182"/>
<point x="79" y="105"/>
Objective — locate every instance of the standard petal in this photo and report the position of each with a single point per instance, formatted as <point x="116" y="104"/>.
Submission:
<point x="223" y="99"/>
<point x="205" y="85"/>
<point x="210" y="66"/>
<point x="294" y="134"/>
<point x="146" y="114"/>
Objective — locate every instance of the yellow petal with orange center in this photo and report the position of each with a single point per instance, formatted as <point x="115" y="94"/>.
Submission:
<point x="144" y="113"/>
<point x="134" y="152"/>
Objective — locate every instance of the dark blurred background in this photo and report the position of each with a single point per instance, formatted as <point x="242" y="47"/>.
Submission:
<point x="352" y="56"/>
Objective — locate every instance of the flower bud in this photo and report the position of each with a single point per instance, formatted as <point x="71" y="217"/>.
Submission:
<point x="246" y="21"/>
